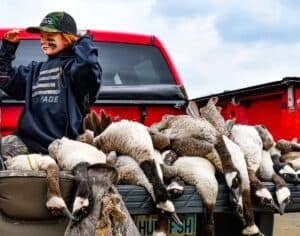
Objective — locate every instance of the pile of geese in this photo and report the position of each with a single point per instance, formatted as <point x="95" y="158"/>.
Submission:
<point x="192" y="148"/>
<point x="188" y="148"/>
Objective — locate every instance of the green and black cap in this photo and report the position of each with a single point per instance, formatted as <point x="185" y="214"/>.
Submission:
<point x="59" y="22"/>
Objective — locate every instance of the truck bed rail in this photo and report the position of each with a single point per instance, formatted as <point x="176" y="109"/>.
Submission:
<point x="138" y="200"/>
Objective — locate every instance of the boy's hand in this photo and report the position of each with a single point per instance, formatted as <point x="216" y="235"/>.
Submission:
<point x="12" y="36"/>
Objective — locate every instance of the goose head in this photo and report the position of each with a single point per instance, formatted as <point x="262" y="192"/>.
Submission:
<point x="167" y="209"/>
<point x="57" y="207"/>
<point x="289" y="174"/>
<point x="176" y="187"/>
<point x="233" y="181"/>
<point x="285" y="170"/>
<point x="83" y="200"/>
<point x="84" y="196"/>
<point x="283" y="195"/>
<point x="169" y="157"/>
<point x="265" y="199"/>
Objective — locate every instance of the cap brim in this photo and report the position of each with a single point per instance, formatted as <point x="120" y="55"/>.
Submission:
<point x="38" y="29"/>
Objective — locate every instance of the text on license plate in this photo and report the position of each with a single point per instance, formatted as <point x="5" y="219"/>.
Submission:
<point x="146" y="225"/>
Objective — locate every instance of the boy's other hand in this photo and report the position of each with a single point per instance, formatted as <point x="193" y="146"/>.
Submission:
<point x="12" y="36"/>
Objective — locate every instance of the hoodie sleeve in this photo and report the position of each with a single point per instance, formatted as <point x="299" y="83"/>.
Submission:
<point x="12" y="79"/>
<point x="86" y="72"/>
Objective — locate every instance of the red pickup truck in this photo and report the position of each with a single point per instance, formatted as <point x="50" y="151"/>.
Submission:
<point x="141" y="83"/>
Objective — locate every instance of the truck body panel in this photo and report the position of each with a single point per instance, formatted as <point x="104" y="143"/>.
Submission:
<point x="275" y="105"/>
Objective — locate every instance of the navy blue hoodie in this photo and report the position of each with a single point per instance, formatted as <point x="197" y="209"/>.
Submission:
<point x="56" y="92"/>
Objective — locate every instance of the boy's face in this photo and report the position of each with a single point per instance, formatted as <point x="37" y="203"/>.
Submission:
<point x="52" y="43"/>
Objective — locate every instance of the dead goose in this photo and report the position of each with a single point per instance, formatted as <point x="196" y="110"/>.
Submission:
<point x="286" y="146"/>
<point x="245" y="197"/>
<point x="77" y="157"/>
<point x="285" y="170"/>
<point x="133" y="139"/>
<point x="251" y="144"/>
<point x="212" y="114"/>
<point x="203" y="171"/>
<point x="55" y="202"/>
<point x="175" y="186"/>
<point x="266" y="172"/>
<point x="199" y="172"/>
<point x="129" y="172"/>
<point x="286" y="163"/>
<point x="293" y="159"/>
<point x="183" y="127"/>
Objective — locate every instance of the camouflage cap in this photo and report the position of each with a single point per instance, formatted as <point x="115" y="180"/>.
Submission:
<point x="60" y="22"/>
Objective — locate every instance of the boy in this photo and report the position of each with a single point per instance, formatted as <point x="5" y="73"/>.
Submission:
<point x="57" y="92"/>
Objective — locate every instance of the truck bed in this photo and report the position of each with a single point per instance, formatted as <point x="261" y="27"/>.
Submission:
<point x="138" y="200"/>
<point x="28" y="203"/>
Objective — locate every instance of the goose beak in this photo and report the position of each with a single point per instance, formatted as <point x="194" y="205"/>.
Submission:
<point x="238" y="211"/>
<point x="67" y="213"/>
<point x="167" y="209"/>
<point x="298" y="176"/>
<point x="274" y="206"/>
<point x="173" y="216"/>
<point x="260" y="234"/>
<point x="282" y="208"/>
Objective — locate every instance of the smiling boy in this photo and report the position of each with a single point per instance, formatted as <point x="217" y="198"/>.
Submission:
<point x="57" y="92"/>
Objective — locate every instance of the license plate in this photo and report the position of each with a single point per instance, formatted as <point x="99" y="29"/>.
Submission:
<point x="146" y="225"/>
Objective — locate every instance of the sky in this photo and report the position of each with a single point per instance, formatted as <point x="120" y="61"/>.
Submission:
<point x="216" y="45"/>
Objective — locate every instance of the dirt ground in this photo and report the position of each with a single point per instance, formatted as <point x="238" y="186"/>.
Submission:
<point x="287" y="225"/>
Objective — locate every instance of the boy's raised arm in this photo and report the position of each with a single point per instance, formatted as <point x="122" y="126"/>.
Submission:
<point x="12" y="79"/>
